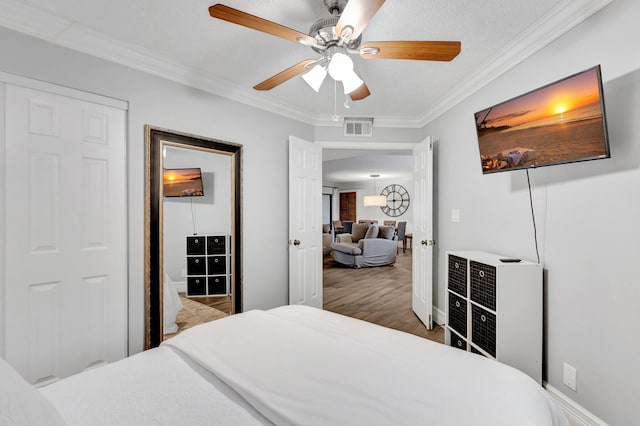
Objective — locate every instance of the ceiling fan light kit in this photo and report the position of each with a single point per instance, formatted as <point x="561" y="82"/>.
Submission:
<point x="335" y="37"/>
<point x="351" y="82"/>
<point x="315" y="77"/>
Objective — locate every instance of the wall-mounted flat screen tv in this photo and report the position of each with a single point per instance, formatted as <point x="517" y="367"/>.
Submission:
<point x="562" y="122"/>
<point x="183" y="182"/>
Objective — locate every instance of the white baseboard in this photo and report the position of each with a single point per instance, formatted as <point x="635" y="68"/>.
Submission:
<point x="181" y="286"/>
<point x="576" y="414"/>
<point x="439" y="316"/>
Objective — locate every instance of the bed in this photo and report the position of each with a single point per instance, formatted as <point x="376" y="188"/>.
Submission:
<point x="291" y="365"/>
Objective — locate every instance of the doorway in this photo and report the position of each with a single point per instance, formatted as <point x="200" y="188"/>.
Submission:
<point x="348" y="206"/>
<point x="384" y="285"/>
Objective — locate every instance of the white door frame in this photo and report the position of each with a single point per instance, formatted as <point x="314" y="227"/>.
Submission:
<point x="8" y="78"/>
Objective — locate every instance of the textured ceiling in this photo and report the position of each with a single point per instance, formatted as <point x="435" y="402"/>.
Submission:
<point x="237" y="58"/>
<point x="178" y="40"/>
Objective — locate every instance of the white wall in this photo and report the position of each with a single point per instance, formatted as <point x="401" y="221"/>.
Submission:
<point x="366" y="188"/>
<point x="587" y="214"/>
<point x="380" y="135"/>
<point x="161" y="103"/>
<point x="211" y="212"/>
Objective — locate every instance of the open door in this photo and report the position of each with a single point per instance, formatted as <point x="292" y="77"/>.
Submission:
<point x="422" y="300"/>
<point x="305" y="220"/>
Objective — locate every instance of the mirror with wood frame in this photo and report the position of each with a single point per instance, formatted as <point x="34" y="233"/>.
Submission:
<point x="157" y="143"/>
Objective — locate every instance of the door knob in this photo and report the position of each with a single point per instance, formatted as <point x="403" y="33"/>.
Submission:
<point x="296" y="242"/>
<point x="428" y="242"/>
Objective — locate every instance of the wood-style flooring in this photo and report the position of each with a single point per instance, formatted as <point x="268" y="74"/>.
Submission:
<point x="381" y="295"/>
<point x="221" y="303"/>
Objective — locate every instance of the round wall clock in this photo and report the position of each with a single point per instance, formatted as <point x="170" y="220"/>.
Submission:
<point x="397" y="200"/>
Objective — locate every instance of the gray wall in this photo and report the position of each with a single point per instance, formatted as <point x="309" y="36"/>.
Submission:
<point x="366" y="188"/>
<point x="182" y="216"/>
<point x="159" y="102"/>
<point x="586" y="213"/>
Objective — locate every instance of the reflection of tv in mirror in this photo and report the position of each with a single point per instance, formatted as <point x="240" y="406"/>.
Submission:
<point x="559" y="123"/>
<point x="183" y="182"/>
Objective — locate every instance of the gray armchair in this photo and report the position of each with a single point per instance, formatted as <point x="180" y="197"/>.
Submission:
<point x="367" y="245"/>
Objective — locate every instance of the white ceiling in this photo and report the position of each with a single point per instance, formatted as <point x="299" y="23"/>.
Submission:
<point x="339" y="166"/>
<point x="179" y="40"/>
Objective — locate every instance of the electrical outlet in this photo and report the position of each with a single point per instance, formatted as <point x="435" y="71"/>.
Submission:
<point x="569" y="376"/>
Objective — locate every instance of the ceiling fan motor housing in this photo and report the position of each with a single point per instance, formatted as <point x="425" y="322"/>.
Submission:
<point x="324" y="31"/>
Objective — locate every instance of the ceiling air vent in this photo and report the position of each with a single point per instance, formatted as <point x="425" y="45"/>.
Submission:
<point x="358" y="126"/>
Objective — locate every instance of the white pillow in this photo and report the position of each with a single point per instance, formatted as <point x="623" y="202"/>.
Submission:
<point x="22" y="404"/>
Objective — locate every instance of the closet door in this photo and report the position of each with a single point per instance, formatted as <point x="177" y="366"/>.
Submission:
<point x="65" y="224"/>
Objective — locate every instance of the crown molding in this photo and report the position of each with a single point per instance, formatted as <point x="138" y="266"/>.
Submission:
<point x="35" y="22"/>
<point x="551" y="26"/>
<point x="389" y="146"/>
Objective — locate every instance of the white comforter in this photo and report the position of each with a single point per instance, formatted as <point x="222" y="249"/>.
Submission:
<point x="303" y="366"/>
<point x="156" y="387"/>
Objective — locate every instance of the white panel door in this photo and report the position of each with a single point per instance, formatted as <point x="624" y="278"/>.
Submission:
<point x="423" y="242"/>
<point x="65" y="249"/>
<point x="305" y="221"/>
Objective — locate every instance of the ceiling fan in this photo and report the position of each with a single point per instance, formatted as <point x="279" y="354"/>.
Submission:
<point x="335" y="38"/>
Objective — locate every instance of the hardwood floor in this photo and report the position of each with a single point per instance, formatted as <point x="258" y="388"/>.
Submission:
<point x="380" y="295"/>
<point x="219" y="302"/>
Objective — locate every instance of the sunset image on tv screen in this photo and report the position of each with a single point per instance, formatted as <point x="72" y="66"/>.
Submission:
<point x="558" y="123"/>
<point x="182" y="182"/>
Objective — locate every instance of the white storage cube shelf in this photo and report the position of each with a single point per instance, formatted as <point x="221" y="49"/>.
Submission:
<point x="494" y="309"/>
<point x="208" y="265"/>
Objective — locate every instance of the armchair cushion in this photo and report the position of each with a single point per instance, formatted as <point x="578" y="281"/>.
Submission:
<point x="358" y="231"/>
<point x="386" y="232"/>
<point x="344" y="238"/>
<point x="346" y="248"/>
<point x="372" y="232"/>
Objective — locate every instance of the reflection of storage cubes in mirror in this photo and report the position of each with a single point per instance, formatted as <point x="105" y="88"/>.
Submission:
<point x="196" y="266"/>
<point x="217" y="285"/>
<point x="208" y="265"/>
<point x="195" y="245"/>
<point x="196" y="286"/>
<point x="216" y="244"/>
<point x="217" y="265"/>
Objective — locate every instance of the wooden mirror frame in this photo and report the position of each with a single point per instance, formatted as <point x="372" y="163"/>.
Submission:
<point x="153" y="276"/>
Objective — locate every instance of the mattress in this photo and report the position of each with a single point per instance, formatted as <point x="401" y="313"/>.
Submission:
<point x="296" y="365"/>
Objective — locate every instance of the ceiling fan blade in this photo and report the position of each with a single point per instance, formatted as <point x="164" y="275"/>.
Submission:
<point x="420" y="50"/>
<point x="285" y="75"/>
<point x="360" y="93"/>
<point x="235" y="16"/>
<point x="356" y="15"/>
